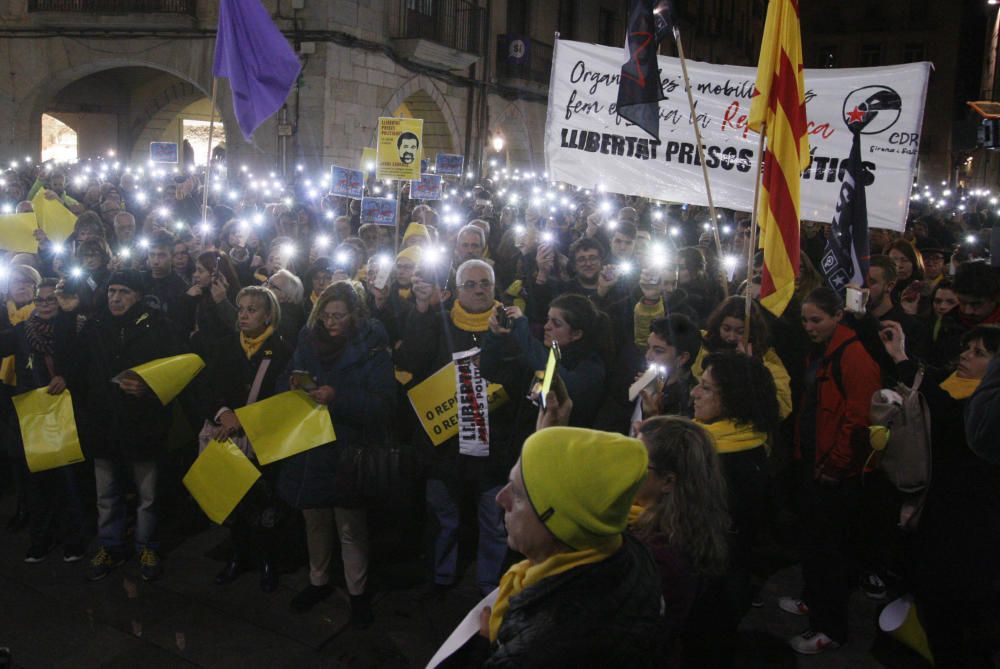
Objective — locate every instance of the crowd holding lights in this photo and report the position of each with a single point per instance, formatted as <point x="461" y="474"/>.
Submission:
<point x="514" y="187"/>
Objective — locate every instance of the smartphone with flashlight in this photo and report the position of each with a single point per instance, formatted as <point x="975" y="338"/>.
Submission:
<point x="855" y="300"/>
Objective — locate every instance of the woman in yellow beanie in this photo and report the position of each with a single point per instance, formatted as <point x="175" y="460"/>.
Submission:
<point x="586" y="595"/>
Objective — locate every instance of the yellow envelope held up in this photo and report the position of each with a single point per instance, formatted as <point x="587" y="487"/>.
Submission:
<point x="48" y="429"/>
<point x="17" y="233"/>
<point x="55" y="219"/>
<point x="285" y="425"/>
<point x="167" y="377"/>
<point x="220" y="478"/>
<point x="434" y="401"/>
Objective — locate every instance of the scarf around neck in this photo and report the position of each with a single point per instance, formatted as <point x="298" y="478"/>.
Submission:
<point x="467" y="322"/>
<point x="252" y="344"/>
<point x="959" y="388"/>
<point x="525" y="574"/>
<point x="732" y="438"/>
<point x="41" y="334"/>
<point x="16" y="315"/>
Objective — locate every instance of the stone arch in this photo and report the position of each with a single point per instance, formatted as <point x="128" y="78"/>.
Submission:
<point x="148" y="124"/>
<point x="33" y="100"/>
<point x="420" y="97"/>
<point x="518" y="145"/>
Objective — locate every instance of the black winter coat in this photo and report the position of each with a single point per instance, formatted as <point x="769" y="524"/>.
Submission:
<point x="364" y="400"/>
<point x="429" y="340"/>
<point x="114" y="425"/>
<point x="599" y="615"/>
<point x="230" y="374"/>
<point x="31" y="368"/>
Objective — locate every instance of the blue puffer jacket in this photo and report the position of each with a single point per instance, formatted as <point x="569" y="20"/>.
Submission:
<point x="363" y="404"/>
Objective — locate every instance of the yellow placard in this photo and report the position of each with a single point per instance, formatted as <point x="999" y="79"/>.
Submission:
<point x="285" y="424"/>
<point x="434" y="399"/>
<point x="400" y="148"/>
<point x="220" y="477"/>
<point x="56" y="220"/>
<point x="48" y="429"/>
<point x="369" y="157"/>
<point x="17" y="233"/>
<point x="167" y="377"/>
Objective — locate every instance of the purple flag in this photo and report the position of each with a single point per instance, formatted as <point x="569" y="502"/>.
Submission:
<point x="259" y="62"/>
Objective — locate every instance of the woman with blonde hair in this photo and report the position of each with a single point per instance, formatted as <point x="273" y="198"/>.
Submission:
<point x="680" y="513"/>
<point x="244" y="369"/>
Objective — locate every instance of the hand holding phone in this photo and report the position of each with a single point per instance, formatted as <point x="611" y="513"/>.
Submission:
<point x="303" y="380"/>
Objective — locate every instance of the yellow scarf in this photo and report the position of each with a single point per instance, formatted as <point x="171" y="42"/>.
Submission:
<point x="514" y="291"/>
<point x="525" y="574"/>
<point x="463" y="320"/>
<point x="644" y="316"/>
<point x="959" y="388"/>
<point x="15" y="315"/>
<point x="731" y="438"/>
<point x="405" y="293"/>
<point x="252" y="344"/>
<point x="633" y="514"/>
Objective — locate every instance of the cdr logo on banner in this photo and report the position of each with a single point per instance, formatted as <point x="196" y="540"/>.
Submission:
<point x="877" y="109"/>
<point x="874" y="108"/>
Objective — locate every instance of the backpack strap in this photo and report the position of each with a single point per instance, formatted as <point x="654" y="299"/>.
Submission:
<point x="834" y="359"/>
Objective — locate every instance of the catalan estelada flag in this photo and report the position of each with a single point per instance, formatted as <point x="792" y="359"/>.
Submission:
<point x="779" y="109"/>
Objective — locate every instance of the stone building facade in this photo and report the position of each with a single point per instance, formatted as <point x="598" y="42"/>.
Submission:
<point x="122" y="72"/>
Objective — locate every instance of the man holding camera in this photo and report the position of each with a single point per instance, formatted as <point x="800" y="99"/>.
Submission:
<point x="432" y="334"/>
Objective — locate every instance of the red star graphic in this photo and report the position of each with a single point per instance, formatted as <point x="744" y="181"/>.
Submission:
<point x="855" y="115"/>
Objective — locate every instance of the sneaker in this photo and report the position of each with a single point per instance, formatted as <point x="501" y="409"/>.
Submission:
<point x="310" y="597"/>
<point x="38" y="552"/>
<point x="812" y="643"/>
<point x="794" y="606"/>
<point x="873" y="586"/>
<point x="150" y="567"/>
<point x="103" y="562"/>
<point x="74" y="552"/>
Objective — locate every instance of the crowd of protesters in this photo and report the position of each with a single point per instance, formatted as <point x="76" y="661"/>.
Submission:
<point x="750" y="419"/>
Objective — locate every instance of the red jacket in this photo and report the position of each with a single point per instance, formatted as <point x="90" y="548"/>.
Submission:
<point x="842" y="422"/>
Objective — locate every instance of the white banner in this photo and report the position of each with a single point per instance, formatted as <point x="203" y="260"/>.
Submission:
<point x="473" y="407"/>
<point x="588" y="145"/>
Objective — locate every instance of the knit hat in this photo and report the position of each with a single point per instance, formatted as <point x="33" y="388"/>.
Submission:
<point x="581" y="482"/>
<point x="413" y="253"/>
<point x="416" y="230"/>
<point x="129" y="278"/>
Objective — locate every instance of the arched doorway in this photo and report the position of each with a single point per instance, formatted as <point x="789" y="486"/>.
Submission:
<point x="517" y="142"/>
<point x="419" y="98"/>
<point x="123" y="109"/>
<point x="437" y="138"/>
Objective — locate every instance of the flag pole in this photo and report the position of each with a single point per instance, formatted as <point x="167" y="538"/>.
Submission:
<point x="752" y="246"/>
<point x="697" y="137"/>
<point x="208" y="162"/>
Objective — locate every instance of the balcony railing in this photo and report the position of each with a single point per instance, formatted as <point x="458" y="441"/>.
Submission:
<point x="188" y="7"/>
<point x="454" y="23"/>
<point x="525" y="58"/>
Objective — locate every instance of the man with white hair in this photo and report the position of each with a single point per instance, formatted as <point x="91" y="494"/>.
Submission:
<point x="433" y="332"/>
